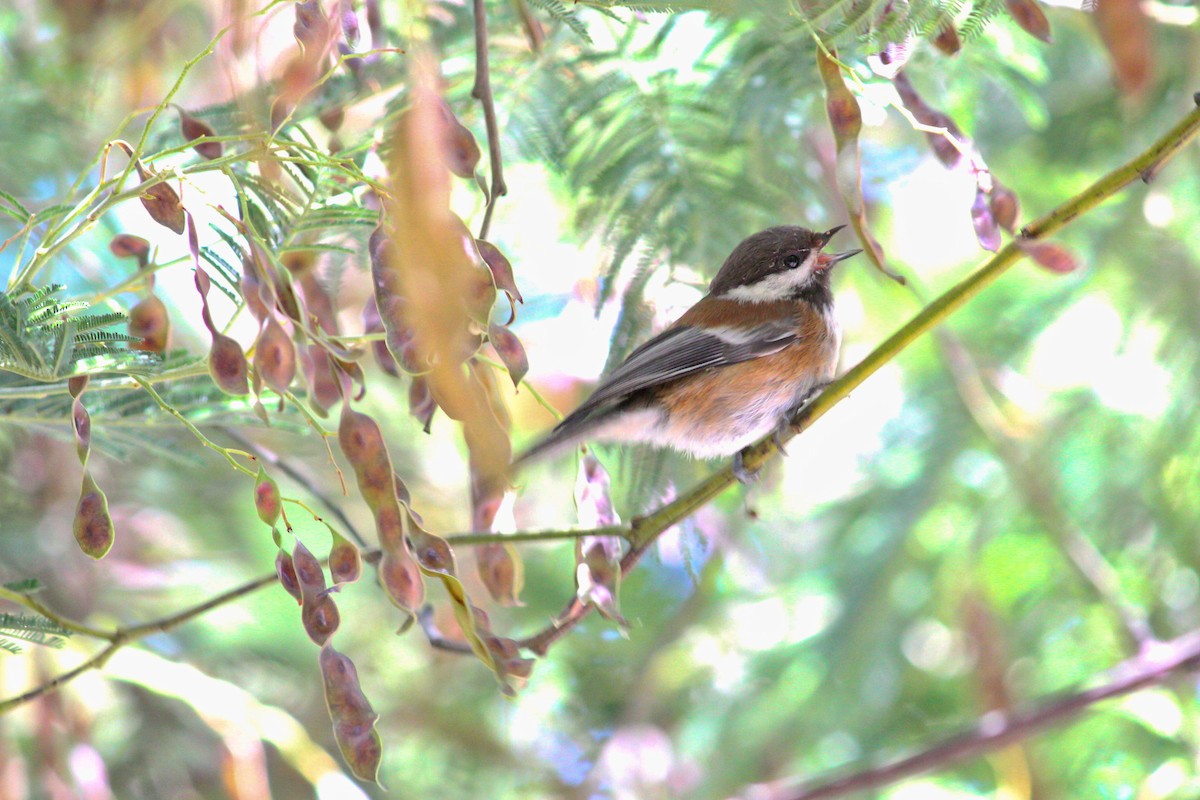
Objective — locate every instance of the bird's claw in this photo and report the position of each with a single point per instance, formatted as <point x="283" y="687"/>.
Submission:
<point x="744" y="476"/>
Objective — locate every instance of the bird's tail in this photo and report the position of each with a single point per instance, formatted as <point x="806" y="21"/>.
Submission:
<point x="568" y="433"/>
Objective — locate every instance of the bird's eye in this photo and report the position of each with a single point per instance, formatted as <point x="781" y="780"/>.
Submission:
<point x="792" y="260"/>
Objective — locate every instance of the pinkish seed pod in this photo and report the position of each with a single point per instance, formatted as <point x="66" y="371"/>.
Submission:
<point x="148" y="320"/>
<point x="164" y="207"/>
<point x="227" y="365"/>
<point x="93" y="526"/>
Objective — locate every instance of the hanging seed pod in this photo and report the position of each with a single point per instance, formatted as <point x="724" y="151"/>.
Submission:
<point x="275" y="357"/>
<point x="373" y="324"/>
<point x="193" y="129"/>
<point x="227" y="365"/>
<point x="945" y="150"/>
<point x="164" y="207"/>
<point x="947" y="40"/>
<point x="286" y="571"/>
<point x="250" y="287"/>
<point x="345" y="562"/>
<point x="845" y="117"/>
<point x="362" y="444"/>
<point x="93" y="526"/>
<point x="311" y="28"/>
<point x="1004" y="206"/>
<point x="319" y="613"/>
<point x="126" y="245"/>
<point x="1049" y="255"/>
<point x="502" y="274"/>
<point x="1126" y="32"/>
<point x="986" y="229"/>
<point x="267" y="501"/>
<point x="1029" y="15"/>
<point x="148" y="321"/>
<point x="462" y="151"/>
<point x="352" y="716"/>
<point x="511" y="352"/>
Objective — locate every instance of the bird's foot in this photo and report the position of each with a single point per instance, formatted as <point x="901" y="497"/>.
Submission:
<point x="777" y="435"/>
<point x="744" y="476"/>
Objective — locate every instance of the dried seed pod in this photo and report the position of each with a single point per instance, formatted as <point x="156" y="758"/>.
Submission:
<point x="126" y="245"/>
<point x="501" y="267"/>
<point x="164" y="207"/>
<point x="462" y="151"/>
<point x="1049" y="255"/>
<point x="986" y="229"/>
<point x="421" y="403"/>
<point x="1029" y="15"/>
<point x="352" y="716"/>
<point x="1126" y="33"/>
<point x="332" y="118"/>
<point x="947" y="40"/>
<point x="319" y="613"/>
<point x="193" y="129"/>
<point x="845" y="117"/>
<point x="81" y="422"/>
<point x="227" y="365"/>
<point x="93" y="526"/>
<point x="267" y="501"/>
<point x="362" y="444"/>
<point x="286" y="571"/>
<point x="345" y="562"/>
<point x="311" y="28"/>
<point x="945" y="150"/>
<point x="373" y="324"/>
<point x="275" y="356"/>
<point x="511" y="352"/>
<point x="148" y="321"/>
<point x="1004" y="205"/>
<point x="251" y="289"/>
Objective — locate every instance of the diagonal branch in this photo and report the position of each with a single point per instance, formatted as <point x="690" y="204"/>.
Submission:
<point x="994" y="731"/>
<point x="645" y="530"/>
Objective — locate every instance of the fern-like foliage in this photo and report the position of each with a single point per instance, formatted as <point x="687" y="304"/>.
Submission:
<point x="32" y="628"/>
<point x="43" y="338"/>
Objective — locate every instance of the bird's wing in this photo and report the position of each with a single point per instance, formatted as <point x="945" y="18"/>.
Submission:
<point x="681" y="351"/>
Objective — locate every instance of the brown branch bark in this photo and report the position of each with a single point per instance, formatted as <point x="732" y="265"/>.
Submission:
<point x="1156" y="664"/>
<point x="482" y="92"/>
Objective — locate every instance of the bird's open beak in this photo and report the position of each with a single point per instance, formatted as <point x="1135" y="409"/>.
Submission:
<point x="827" y="260"/>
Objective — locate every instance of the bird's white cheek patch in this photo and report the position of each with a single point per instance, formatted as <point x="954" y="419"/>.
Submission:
<point x="779" y="286"/>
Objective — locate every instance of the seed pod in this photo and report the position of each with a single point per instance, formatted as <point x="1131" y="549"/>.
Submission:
<point x="362" y="444"/>
<point x="1126" y="33"/>
<point x="266" y="498"/>
<point x="311" y="28"/>
<point x="126" y="245"/>
<point x="148" y="321"/>
<point x="250" y="287"/>
<point x="946" y="152"/>
<point x="352" y="716"/>
<point x="986" y="230"/>
<point x="373" y="324"/>
<point x="947" y="40"/>
<point x="227" y="365"/>
<point x="511" y="352"/>
<point x="275" y="356"/>
<point x="319" y="613"/>
<point x="462" y="151"/>
<point x="1004" y="206"/>
<point x="193" y="129"/>
<point x="345" y="562"/>
<point x="332" y="118"/>
<point x="1049" y="255"/>
<point x="421" y="403"/>
<point x="164" y="207"/>
<point x="845" y="117"/>
<point x="501" y="267"/>
<point x="81" y="421"/>
<point x="1029" y="15"/>
<point x="93" y="526"/>
<point x="286" y="571"/>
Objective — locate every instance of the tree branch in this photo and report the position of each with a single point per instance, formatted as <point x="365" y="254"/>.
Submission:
<point x="482" y="92"/>
<point x="645" y="530"/>
<point x="995" y="730"/>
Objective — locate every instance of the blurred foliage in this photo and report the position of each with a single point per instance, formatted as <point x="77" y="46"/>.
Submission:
<point x="925" y="554"/>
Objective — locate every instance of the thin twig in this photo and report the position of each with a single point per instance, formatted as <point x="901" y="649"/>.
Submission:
<point x="996" y="731"/>
<point x="296" y="475"/>
<point x="482" y="91"/>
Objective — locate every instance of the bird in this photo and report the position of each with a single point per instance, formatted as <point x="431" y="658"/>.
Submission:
<point x="735" y="367"/>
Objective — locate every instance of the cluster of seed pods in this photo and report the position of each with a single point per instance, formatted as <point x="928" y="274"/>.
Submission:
<point x="148" y="319"/>
<point x="597" y="558"/>
<point x="93" y="526"/>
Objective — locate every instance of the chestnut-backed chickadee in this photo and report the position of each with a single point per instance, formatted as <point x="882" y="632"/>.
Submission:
<point x="735" y="367"/>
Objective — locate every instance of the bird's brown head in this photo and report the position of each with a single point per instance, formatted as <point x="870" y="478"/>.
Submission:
<point x="779" y="263"/>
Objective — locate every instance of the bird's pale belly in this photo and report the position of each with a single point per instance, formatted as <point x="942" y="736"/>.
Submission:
<point x="717" y="413"/>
